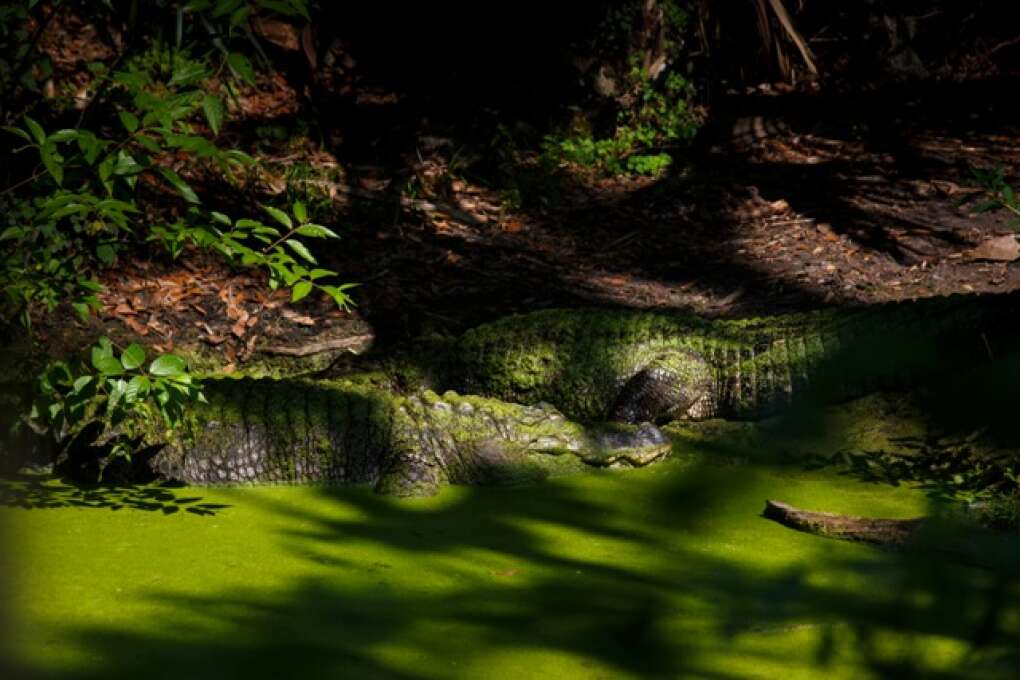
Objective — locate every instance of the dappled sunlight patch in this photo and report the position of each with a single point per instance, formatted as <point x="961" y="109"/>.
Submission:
<point x="662" y="571"/>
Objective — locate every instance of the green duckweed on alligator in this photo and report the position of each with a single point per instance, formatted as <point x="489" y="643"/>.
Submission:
<point x="333" y="431"/>
<point x="539" y="376"/>
<point x="642" y="366"/>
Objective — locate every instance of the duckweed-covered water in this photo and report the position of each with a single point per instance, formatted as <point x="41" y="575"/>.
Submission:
<point x="665" y="572"/>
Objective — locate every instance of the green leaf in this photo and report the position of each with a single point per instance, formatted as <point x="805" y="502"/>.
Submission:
<point x="19" y="132"/>
<point x="239" y="16"/>
<point x="102" y="350"/>
<point x="126" y="164"/>
<point x="220" y="218"/>
<point x="81" y="383"/>
<point x="106" y="168"/>
<point x="241" y="67"/>
<point x="117" y="391"/>
<point x="90" y="284"/>
<point x="149" y="144"/>
<point x="316" y="231"/>
<point x="188" y="72"/>
<point x="133" y="356"/>
<point x="12" y="233"/>
<point x="109" y="366"/>
<point x="137" y="388"/>
<point x="128" y="120"/>
<point x="53" y="166"/>
<point x="300" y="249"/>
<point x="106" y="254"/>
<point x="1009" y="194"/>
<point x="301" y="289"/>
<point x="182" y="187"/>
<point x="213" y="108"/>
<point x="167" y="365"/>
<point x="36" y="130"/>
<point x="300" y="212"/>
<point x="279" y="216"/>
<point x="65" y="135"/>
<point x="316" y="274"/>
<point x="90" y="146"/>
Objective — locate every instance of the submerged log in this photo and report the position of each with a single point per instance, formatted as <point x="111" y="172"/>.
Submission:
<point x="965" y="541"/>
<point x="862" y="529"/>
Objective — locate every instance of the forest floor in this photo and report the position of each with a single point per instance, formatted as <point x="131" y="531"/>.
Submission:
<point x="859" y="196"/>
<point x="845" y="205"/>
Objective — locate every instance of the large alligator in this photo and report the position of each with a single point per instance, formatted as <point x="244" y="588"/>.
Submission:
<point x="338" y="431"/>
<point x="592" y="366"/>
<point x="641" y="366"/>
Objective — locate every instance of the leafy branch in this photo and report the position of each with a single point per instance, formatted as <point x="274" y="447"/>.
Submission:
<point x="115" y="390"/>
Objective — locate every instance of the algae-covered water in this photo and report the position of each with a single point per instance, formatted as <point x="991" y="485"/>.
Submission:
<point x="668" y="571"/>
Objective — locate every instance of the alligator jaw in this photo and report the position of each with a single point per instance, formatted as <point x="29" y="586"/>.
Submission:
<point x="627" y="448"/>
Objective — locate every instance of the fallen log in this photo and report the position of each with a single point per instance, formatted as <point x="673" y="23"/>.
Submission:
<point x="964" y="540"/>
<point x="862" y="529"/>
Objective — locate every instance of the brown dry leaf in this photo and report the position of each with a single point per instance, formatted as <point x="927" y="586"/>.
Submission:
<point x="124" y="309"/>
<point x="283" y="35"/>
<point x="999" y="249"/>
<point x="239" y="328"/>
<point x="293" y="316"/>
<point x="215" y="339"/>
<point x="229" y="368"/>
<point x="154" y="324"/>
<point x="134" y="325"/>
<point x="825" y="229"/>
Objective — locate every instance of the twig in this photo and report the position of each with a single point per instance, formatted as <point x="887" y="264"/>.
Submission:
<point x="354" y="343"/>
<point x="33" y="177"/>
<point x="1003" y="45"/>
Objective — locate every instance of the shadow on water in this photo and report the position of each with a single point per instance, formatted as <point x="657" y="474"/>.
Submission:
<point x="572" y="580"/>
<point x="31" y="491"/>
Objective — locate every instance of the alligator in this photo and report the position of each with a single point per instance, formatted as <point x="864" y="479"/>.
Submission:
<point x="600" y="365"/>
<point x="341" y="431"/>
<point x="548" y="381"/>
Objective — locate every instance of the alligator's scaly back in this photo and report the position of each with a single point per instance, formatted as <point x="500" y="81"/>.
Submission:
<point x="596" y="364"/>
<point x="321" y="431"/>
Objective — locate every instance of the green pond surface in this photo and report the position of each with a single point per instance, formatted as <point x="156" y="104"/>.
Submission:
<point x="669" y="571"/>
